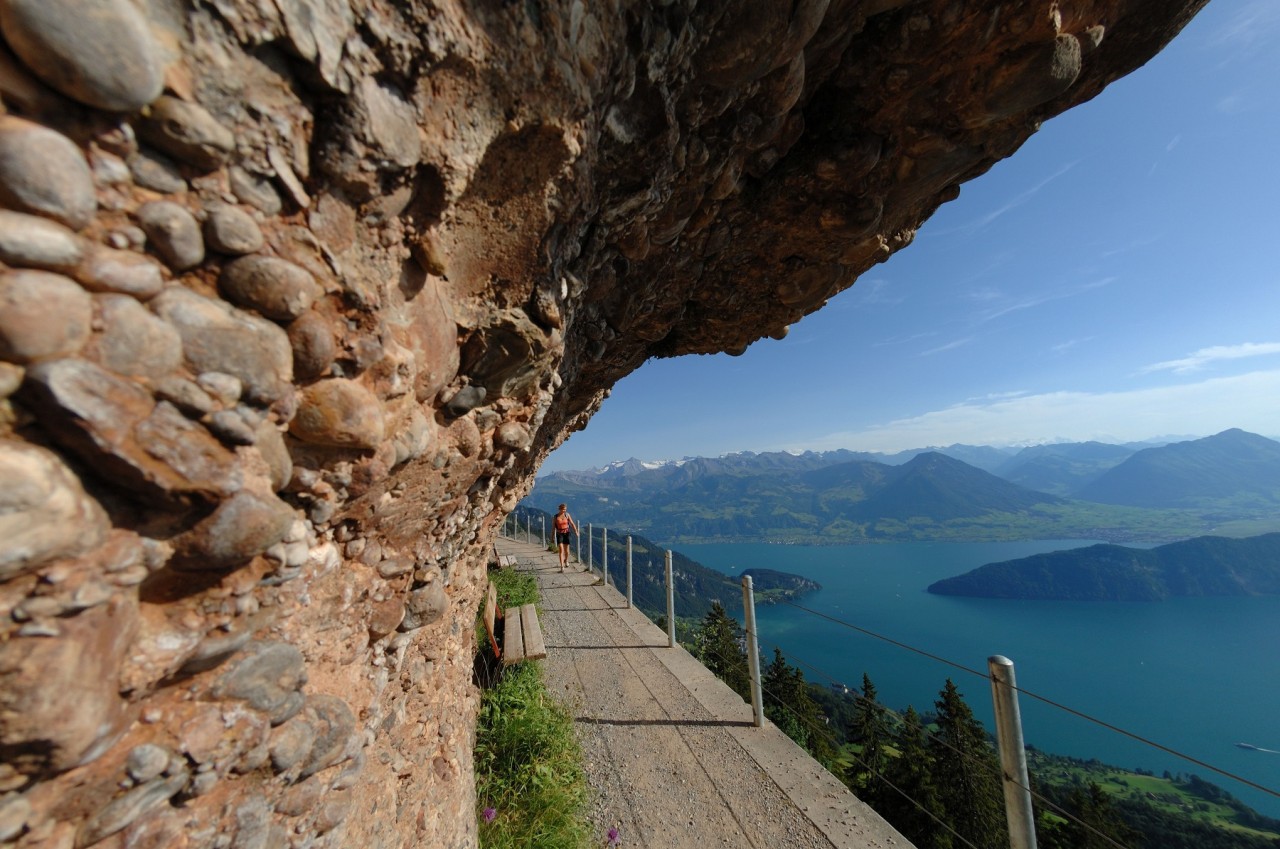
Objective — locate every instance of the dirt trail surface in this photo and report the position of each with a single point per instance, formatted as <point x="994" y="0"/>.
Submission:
<point x="670" y="752"/>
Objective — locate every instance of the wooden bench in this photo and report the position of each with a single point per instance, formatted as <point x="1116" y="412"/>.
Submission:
<point x="521" y="633"/>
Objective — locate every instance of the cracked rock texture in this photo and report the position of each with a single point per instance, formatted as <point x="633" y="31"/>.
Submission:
<point x="295" y="295"/>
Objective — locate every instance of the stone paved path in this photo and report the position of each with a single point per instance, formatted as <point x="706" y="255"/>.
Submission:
<point x="670" y="752"/>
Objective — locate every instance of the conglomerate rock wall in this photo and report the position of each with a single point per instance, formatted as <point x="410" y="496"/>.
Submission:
<point x="296" y="294"/>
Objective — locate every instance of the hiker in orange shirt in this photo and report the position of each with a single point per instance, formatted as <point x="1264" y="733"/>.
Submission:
<point x="562" y="522"/>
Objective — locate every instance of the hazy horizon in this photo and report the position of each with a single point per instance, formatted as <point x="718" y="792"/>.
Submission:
<point x="1013" y="449"/>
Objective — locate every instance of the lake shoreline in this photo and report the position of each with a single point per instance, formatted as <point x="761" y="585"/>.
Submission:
<point x="1166" y="672"/>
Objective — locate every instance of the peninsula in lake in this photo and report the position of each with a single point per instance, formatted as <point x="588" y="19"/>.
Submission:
<point x="1203" y="566"/>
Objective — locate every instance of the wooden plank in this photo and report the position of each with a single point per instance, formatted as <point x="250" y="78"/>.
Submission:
<point x="490" y="615"/>
<point x="534" y="646"/>
<point x="512" y="637"/>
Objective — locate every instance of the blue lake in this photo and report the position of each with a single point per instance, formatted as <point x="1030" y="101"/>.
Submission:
<point x="1194" y="675"/>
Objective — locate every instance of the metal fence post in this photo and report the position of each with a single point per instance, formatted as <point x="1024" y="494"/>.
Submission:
<point x="629" y="571"/>
<point x="671" y="605"/>
<point x="1013" y="754"/>
<point x="753" y="650"/>
<point x="604" y="554"/>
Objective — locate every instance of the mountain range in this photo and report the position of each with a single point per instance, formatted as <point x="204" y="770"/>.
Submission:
<point x="1082" y="490"/>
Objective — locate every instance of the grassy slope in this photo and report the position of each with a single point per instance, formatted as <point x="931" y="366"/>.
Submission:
<point x="1171" y="797"/>
<point x="528" y="766"/>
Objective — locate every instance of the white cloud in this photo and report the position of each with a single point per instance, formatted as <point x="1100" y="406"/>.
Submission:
<point x="1036" y="299"/>
<point x="994" y="396"/>
<point x="1249" y="401"/>
<point x="1216" y="353"/>
<point x="1233" y="104"/>
<point x="1063" y="347"/>
<point x="950" y="346"/>
<point x="1249" y="28"/>
<point x="986" y="293"/>
<point x="903" y="340"/>
<point x="876" y="290"/>
<point x="981" y="223"/>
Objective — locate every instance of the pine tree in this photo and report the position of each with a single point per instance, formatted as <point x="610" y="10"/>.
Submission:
<point x="869" y="729"/>
<point x="790" y="707"/>
<point x="718" y="646"/>
<point x="779" y="698"/>
<point x="968" y="773"/>
<point x="1095" y="824"/>
<point x="908" y="797"/>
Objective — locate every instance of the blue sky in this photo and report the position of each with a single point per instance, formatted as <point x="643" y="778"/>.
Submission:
<point x="1116" y="279"/>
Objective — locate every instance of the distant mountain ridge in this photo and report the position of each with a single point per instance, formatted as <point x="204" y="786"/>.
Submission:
<point x="1232" y="465"/>
<point x="1062" y="468"/>
<point x="1203" y="566"/>
<point x="1085" y="490"/>
<point x="783" y="496"/>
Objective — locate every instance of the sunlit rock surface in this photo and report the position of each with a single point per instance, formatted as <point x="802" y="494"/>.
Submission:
<point x="296" y="294"/>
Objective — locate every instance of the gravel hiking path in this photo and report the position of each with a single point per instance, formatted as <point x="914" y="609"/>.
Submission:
<point x="670" y="752"/>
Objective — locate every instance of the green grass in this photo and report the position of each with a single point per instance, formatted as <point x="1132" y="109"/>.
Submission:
<point x="528" y="765"/>
<point x="1169" y="796"/>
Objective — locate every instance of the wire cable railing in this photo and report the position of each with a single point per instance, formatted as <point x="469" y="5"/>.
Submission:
<point x="780" y="703"/>
<point x="1045" y="700"/>
<point x="881" y="777"/>
<point x="1002" y="774"/>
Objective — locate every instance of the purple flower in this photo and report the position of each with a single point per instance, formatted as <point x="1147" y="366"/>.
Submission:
<point x="613" y="837"/>
<point x="489" y="814"/>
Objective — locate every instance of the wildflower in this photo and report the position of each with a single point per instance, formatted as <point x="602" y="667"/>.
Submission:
<point x="613" y="837"/>
<point x="489" y="814"/>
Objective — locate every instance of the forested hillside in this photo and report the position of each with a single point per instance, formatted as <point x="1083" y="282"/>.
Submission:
<point x="1204" y="566"/>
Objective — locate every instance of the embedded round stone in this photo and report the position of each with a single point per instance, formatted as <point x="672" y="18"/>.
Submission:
<point x="242" y="527"/>
<point x="43" y="172"/>
<point x="42" y="315"/>
<point x="133" y="341"/>
<point x="231" y="230"/>
<point x="10" y="378"/>
<point x="99" y="52"/>
<point x="44" y="511"/>
<point x="173" y="232"/>
<point x="34" y="242"/>
<point x="254" y="190"/>
<point x="218" y="337"/>
<point x="274" y="287"/>
<point x="271" y="445"/>
<point x="269" y="679"/>
<point x="339" y="412"/>
<point x="313" y="346"/>
<point x="124" y="272"/>
<point x="155" y="172"/>
<point x="187" y="132"/>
